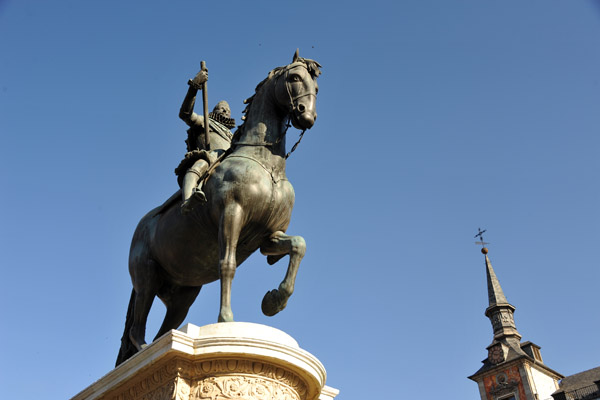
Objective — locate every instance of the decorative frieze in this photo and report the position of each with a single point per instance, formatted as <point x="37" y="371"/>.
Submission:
<point x="216" y="379"/>
<point x="267" y="374"/>
<point x="242" y="387"/>
<point x="161" y="380"/>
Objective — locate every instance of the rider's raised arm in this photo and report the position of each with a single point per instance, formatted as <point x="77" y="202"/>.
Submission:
<point x="186" y="112"/>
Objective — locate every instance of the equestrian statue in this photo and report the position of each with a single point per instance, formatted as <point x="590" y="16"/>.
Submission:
<point x="235" y="199"/>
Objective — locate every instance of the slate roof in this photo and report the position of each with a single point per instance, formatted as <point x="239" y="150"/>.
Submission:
<point x="513" y="354"/>
<point x="579" y="380"/>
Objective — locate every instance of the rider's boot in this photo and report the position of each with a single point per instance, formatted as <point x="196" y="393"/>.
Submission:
<point x="197" y="198"/>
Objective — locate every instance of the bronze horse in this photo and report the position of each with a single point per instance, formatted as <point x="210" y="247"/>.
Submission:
<point x="249" y="207"/>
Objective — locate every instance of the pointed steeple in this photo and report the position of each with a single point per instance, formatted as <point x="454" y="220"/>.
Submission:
<point x="500" y="311"/>
<point x="495" y="293"/>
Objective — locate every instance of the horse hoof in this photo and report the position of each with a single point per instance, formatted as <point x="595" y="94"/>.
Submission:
<point x="272" y="303"/>
<point x="138" y="343"/>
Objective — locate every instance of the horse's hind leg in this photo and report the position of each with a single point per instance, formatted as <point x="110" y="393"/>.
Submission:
<point x="277" y="245"/>
<point x="147" y="282"/>
<point x="127" y="348"/>
<point x="229" y="234"/>
<point x="178" y="300"/>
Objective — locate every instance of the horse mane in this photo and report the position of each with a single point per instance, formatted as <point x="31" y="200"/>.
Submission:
<point x="313" y="67"/>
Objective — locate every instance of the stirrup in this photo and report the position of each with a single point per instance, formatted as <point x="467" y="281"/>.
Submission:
<point x="198" y="196"/>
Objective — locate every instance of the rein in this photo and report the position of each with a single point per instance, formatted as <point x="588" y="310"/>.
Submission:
<point x="295" y="145"/>
<point x="281" y="136"/>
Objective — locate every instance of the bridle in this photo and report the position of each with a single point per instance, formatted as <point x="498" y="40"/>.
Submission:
<point x="292" y="109"/>
<point x="293" y="103"/>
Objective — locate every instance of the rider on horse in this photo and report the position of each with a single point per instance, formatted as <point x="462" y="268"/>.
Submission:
<point x="199" y="158"/>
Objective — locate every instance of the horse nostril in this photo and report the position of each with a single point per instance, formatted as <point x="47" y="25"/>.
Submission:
<point x="301" y="108"/>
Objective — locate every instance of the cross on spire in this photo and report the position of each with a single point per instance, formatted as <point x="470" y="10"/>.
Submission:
<point x="480" y="235"/>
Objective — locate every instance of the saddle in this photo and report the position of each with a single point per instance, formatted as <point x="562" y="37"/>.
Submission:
<point x="198" y="154"/>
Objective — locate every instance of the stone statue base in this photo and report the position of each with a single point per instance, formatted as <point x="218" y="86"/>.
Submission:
<point x="232" y="360"/>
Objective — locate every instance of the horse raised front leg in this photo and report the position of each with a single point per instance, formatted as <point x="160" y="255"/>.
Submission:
<point x="277" y="245"/>
<point x="229" y="233"/>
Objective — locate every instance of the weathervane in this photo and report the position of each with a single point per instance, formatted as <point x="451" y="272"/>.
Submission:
<point x="481" y="242"/>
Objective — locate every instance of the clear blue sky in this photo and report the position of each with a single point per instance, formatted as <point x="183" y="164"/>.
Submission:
<point x="435" y="118"/>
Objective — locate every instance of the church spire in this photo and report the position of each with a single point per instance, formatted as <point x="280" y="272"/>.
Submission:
<point x="500" y="311"/>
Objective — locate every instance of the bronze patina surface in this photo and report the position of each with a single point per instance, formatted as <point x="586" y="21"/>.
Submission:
<point x="248" y="207"/>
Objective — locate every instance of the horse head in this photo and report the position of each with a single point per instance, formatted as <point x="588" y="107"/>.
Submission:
<point x="295" y="90"/>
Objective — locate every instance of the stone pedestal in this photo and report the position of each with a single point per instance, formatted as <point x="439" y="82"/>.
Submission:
<point x="235" y="361"/>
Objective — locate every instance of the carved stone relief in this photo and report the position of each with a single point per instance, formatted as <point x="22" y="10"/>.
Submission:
<point x="504" y="388"/>
<point x="159" y="384"/>
<point x="242" y="387"/>
<point x="245" y="379"/>
<point x="224" y="379"/>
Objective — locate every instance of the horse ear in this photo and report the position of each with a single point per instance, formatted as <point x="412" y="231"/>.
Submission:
<point x="296" y="55"/>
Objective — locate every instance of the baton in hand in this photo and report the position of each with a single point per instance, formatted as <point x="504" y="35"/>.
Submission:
<point x="205" y="105"/>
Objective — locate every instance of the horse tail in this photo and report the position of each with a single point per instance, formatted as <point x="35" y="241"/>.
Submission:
<point x="127" y="348"/>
